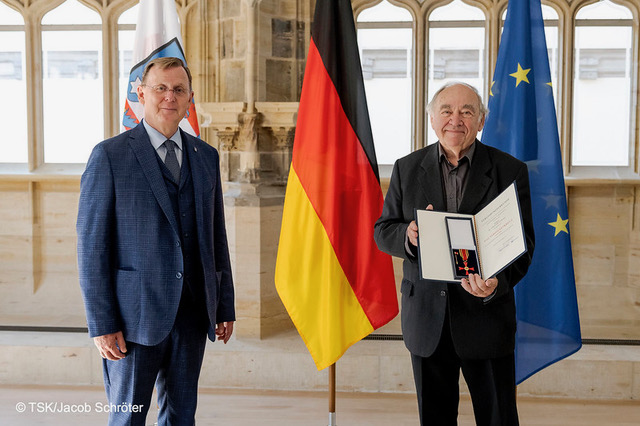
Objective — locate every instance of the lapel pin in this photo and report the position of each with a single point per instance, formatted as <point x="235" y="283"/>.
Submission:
<point x="195" y="148"/>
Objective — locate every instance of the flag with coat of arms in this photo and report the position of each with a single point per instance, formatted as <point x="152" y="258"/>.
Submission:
<point x="157" y="36"/>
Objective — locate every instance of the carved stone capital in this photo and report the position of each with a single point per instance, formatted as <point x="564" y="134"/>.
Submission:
<point x="284" y="138"/>
<point x="228" y="139"/>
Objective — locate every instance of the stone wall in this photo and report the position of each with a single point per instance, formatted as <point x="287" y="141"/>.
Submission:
<point x="605" y="236"/>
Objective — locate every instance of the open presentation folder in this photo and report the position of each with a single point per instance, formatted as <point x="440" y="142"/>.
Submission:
<point x="454" y="245"/>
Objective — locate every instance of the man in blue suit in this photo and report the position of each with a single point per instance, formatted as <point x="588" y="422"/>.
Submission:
<point x="153" y="256"/>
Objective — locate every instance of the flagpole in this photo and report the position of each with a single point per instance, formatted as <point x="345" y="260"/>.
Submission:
<point x="332" y="394"/>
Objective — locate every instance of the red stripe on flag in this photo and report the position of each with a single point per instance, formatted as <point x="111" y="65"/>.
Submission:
<point x="342" y="187"/>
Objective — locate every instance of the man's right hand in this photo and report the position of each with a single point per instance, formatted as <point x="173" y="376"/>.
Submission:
<point x="412" y="230"/>
<point x="111" y="346"/>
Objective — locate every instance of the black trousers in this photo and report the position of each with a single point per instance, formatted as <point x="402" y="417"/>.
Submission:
<point x="491" y="384"/>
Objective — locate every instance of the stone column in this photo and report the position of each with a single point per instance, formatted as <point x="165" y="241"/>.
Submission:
<point x="255" y="152"/>
<point x="262" y="55"/>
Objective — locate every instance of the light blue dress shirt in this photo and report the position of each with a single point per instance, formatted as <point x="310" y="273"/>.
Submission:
<point x="157" y="140"/>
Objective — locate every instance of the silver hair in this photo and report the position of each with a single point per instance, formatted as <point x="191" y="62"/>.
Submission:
<point x="431" y="105"/>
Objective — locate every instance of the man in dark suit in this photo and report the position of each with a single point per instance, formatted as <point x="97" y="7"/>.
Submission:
<point x="468" y="325"/>
<point x="153" y="257"/>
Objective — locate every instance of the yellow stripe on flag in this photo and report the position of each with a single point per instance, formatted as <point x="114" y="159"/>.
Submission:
<point x="312" y="284"/>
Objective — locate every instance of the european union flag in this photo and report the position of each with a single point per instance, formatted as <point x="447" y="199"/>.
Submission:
<point x="522" y="122"/>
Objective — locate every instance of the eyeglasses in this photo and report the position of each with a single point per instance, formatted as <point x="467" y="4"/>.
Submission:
<point x="161" y="89"/>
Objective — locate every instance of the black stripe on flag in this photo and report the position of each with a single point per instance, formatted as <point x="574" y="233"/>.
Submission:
<point x="334" y="34"/>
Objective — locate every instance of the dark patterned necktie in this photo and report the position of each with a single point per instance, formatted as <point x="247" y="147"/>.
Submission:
<point x="171" y="161"/>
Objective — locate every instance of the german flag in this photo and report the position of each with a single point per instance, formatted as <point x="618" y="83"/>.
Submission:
<point x="334" y="282"/>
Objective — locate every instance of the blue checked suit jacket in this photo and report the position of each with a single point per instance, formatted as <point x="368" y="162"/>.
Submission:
<point x="129" y="255"/>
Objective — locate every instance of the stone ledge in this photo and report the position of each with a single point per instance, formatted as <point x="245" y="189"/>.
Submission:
<point x="225" y="115"/>
<point x="282" y="362"/>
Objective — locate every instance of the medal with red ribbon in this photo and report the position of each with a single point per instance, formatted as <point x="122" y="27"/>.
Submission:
<point x="464" y="254"/>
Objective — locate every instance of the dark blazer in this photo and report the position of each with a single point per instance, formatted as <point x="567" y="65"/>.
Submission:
<point x="129" y="255"/>
<point x="480" y="329"/>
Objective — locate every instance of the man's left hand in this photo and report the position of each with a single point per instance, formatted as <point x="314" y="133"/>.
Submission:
<point x="224" y="330"/>
<point x="478" y="287"/>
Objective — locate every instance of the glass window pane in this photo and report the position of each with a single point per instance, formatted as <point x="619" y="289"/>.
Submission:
<point x="457" y="11"/>
<point x="126" y="38"/>
<point x="385" y="12"/>
<point x="602" y="76"/>
<point x="71" y="12"/>
<point x="72" y="87"/>
<point x="455" y="54"/>
<point x="10" y="16"/>
<point x="14" y="143"/>
<point x="547" y="13"/>
<point x="604" y="9"/>
<point x="129" y="16"/>
<point x="387" y="64"/>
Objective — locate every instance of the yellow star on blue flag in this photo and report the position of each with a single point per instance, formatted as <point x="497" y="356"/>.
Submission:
<point x="560" y="225"/>
<point x="520" y="75"/>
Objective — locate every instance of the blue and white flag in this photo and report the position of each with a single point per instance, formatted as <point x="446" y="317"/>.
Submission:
<point x="157" y="36"/>
<point x="522" y="122"/>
